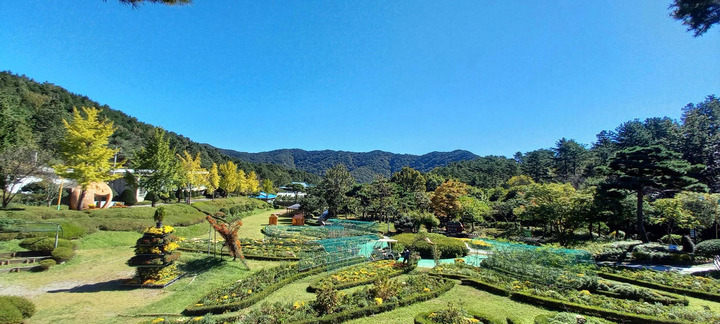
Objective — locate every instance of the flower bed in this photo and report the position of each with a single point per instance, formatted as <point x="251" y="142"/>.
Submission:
<point x="689" y="285"/>
<point x="268" y="249"/>
<point x="617" y="303"/>
<point x="361" y="274"/>
<point x="335" y="307"/>
<point x="456" y="315"/>
<point x="252" y="289"/>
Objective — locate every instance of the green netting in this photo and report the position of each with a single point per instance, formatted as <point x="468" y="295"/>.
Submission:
<point x="579" y="255"/>
<point x="353" y="224"/>
<point x="336" y="250"/>
<point x="311" y="232"/>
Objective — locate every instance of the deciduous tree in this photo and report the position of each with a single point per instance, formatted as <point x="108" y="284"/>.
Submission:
<point x="193" y="173"/>
<point x="335" y="184"/>
<point x="213" y="180"/>
<point x="84" y="150"/>
<point x="446" y="200"/>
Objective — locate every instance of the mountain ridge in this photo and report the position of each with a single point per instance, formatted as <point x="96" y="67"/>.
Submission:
<point x="362" y="165"/>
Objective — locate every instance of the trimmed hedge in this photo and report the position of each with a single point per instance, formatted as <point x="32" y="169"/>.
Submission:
<point x="647" y="284"/>
<point x="62" y="254"/>
<point x="219" y="309"/>
<point x="9" y="314"/>
<point x="45" y="244"/>
<point x="447" y="247"/>
<point x="566" y="318"/>
<point x="375" y="309"/>
<point x="422" y="318"/>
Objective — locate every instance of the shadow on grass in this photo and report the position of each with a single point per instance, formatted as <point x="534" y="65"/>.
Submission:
<point x="112" y="285"/>
<point x="201" y="265"/>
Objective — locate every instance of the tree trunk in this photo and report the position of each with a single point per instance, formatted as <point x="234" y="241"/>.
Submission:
<point x="81" y="200"/>
<point x="152" y="203"/>
<point x="590" y="226"/>
<point x="639" y="215"/>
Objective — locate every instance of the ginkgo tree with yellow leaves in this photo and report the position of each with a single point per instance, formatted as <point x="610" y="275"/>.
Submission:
<point x="193" y="174"/>
<point x="84" y="150"/>
<point x="213" y="182"/>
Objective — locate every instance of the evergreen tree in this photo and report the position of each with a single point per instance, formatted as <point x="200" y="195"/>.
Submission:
<point x="336" y="183"/>
<point x="157" y="164"/>
<point x="642" y="169"/>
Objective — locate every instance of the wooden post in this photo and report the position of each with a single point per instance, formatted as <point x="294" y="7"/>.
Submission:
<point x="60" y="193"/>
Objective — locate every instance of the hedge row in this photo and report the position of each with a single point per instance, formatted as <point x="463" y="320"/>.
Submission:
<point x="422" y="318"/>
<point x="647" y="284"/>
<point x="248" y="256"/>
<point x="219" y="309"/>
<point x="314" y="286"/>
<point x="666" y="299"/>
<point x="563" y="305"/>
<point x="375" y="309"/>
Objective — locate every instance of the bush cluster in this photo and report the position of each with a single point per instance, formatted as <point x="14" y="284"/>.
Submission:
<point x="446" y="247"/>
<point x="14" y="309"/>
<point x="708" y="248"/>
<point x="45" y="244"/>
<point x="660" y="254"/>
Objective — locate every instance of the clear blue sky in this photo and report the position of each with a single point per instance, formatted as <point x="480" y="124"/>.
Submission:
<point x="492" y="77"/>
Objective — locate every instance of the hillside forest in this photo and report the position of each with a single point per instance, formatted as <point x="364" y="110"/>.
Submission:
<point x="646" y="178"/>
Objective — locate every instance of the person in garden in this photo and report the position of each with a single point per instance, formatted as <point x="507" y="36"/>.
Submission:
<point x="406" y="256"/>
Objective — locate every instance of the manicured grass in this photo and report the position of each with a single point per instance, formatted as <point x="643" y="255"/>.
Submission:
<point x="106" y="239"/>
<point x="253" y="224"/>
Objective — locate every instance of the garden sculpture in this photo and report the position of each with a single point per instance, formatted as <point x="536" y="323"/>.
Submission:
<point x="94" y="190"/>
<point x="229" y="232"/>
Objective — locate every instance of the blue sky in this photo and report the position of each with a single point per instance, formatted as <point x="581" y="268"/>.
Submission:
<point x="491" y="77"/>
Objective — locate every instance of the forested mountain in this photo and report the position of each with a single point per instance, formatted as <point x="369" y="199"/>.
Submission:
<point x="32" y="113"/>
<point x="363" y="166"/>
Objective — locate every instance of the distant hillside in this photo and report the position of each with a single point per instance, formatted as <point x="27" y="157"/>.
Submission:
<point x="363" y="166"/>
<point x="36" y="111"/>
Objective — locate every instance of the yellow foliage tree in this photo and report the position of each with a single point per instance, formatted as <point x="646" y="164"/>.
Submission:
<point x="253" y="184"/>
<point x="213" y="182"/>
<point x="194" y="174"/>
<point x="242" y="184"/>
<point x="84" y="150"/>
<point x="228" y="177"/>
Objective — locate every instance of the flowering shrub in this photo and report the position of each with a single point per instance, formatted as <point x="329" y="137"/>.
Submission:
<point x="268" y="248"/>
<point x="452" y="315"/>
<point x="361" y="274"/>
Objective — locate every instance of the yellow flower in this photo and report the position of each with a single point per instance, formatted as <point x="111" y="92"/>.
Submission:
<point x="225" y="297"/>
<point x="585" y="292"/>
<point x="249" y="291"/>
<point x="426" y="289"/>
<point x="158" y="320"/>
<point x="581" y="275"/>
<point x="198" y="305"/>
<point x="378" y="301"/>
<point x="197" y="319"/>
<point x="298" y="304"/>
<point x="473" y="320"/>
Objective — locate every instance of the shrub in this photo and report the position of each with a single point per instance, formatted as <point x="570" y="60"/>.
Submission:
<point x="128" y="197"/>
<point x="62" y="254"/>
<point x="45" y="244"/>
<point x="152" y="196"/>
<point x="708" y="249"/>
<point x="236" y="210"/>
<point x="72" y="231"/>
<point x="9" y="314"/>
<point x="446" y="247"/>
<point x="47" y="264"/>
<point x="24" y="305"/>
<point x="159" y="214"/>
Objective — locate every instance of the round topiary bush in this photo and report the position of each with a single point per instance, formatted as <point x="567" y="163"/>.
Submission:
<point x="24" y="305"/>
<point x="128" y="197"/>
<point x="9" y="314"/>
<point x="62" y="254"/>
<point x="708" y="248"/>
<point x="47" y="264"/>
<point x="159" y="215"/>
<point x="446" y="247"/>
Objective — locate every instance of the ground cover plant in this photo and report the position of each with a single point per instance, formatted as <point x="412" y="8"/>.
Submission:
<point x="361" y="274"/>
